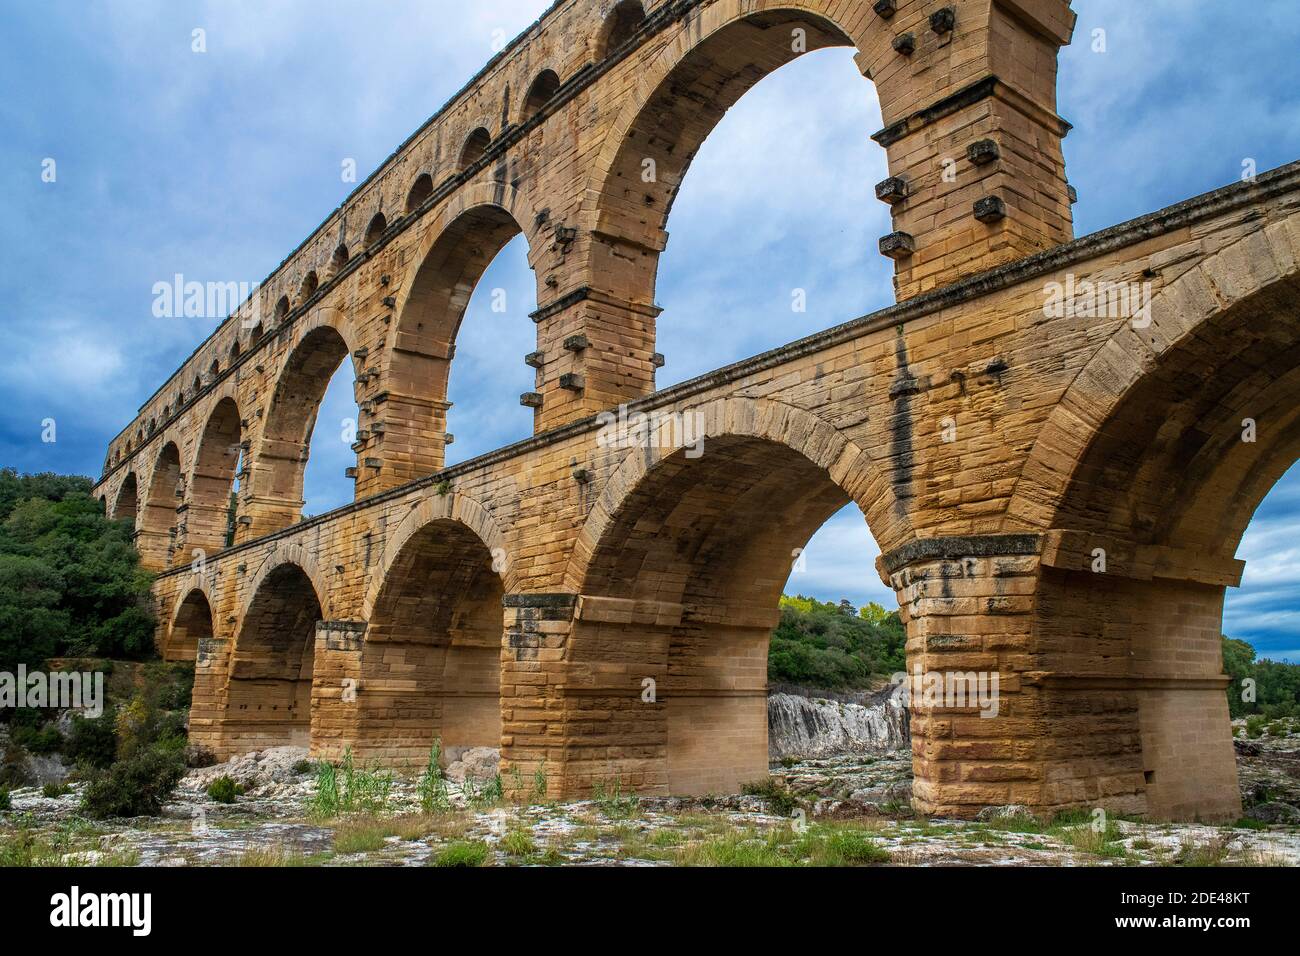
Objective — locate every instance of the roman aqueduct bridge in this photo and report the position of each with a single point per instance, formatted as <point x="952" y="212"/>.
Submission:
<point x="997" y="437"/>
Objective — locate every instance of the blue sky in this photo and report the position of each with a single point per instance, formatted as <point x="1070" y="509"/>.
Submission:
<point x="216" y="165"/>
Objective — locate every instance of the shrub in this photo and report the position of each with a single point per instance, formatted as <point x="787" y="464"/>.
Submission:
<point x="224" y="789"/>
<point x="91" y="741"/>
<point x="42" y="740"/>
<point x="53" y="790"/>
<point x="781" y="801"/>
<point x="300" y="767"/>
<point x="5" y="803"/>
<point x="136" y="786"/>
<point x="462" y="853"/>
<point x="518" y="843"/>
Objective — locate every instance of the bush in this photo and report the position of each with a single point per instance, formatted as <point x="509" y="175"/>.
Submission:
<point x="4" y="799"/>
<point x="91" y="741"/>
<point x="197" y="755"/>
<point x="43" y="740"/>
<point x="53" y="790"/>
<point x="462" y="853"/>
<point x="136" y="786"/>
<point x="224" y="789"/>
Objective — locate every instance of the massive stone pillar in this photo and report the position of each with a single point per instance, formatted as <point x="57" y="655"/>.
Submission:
<point x="1037" y="680"/>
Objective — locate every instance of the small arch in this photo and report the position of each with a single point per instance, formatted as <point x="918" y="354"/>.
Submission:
<point x="540" y="93"/>
<point x="340" y="258"/>
<point x="281" y="309"/>
<point x="234" y="351"/>
<point x="475" y="146"/>
<point x="310" y="283"/>
<point x="215" y="368"/>
<point x="259" y="330"/>
<point x="191" y="624"/>
<point x="421" y="190"/>
<point x="375" y="231"/>
<point x="619" y="27"/>
<point x="198" y="384"/>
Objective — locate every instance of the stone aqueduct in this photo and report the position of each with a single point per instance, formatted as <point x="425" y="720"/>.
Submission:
<point x="993" y="443"/>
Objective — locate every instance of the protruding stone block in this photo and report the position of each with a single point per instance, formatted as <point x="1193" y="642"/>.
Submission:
<point x="897" y="245"/>
<point x="990" y="209"/>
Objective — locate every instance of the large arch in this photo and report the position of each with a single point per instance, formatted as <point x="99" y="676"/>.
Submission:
<point x="209" y="520"/>
<point x="157" y="537"/>
<point x="680" y="96"/>
<point x="191" y="624"/>
<point x="461" y="244"/>
<point x="431" y="661"/>
<point x="680" y="568"/>
<point x="1154" y="461"/>
<point x="279" y="463"/>
<point x="268" y="694"/>
<point x="127" y="501"/>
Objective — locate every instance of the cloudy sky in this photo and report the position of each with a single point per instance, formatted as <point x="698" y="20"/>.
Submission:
<point x="215" y="165"/>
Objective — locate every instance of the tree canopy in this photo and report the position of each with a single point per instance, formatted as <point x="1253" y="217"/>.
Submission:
<point x="70" y="579"/>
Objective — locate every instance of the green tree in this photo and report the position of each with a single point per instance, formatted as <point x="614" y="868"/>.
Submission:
<point x="70" y="580"/>
<point x="834" y="646"/>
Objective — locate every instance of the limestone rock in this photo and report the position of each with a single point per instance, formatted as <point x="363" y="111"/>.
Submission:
<point x="814" y="727"/>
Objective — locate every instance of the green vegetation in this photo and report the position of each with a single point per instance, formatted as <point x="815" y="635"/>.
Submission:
<point x="136" y="786"/>
<point x="462" y="853"/>
<point x="70" y="580"/>
<point x="224" y="789"/>
<point x="612" y="801"/>
<point x="431" y="787"/>
<point x="823" y="844"/>
<point x="347" y="789"/>
<point x="779" y="799"/>
<point x="1277" y="685"/>
<point x="834" y="646"/>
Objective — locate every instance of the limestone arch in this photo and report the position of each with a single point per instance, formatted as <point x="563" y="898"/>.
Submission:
<point x="430" y="664"/>
<point x="1142" y="465"/>
<point x="622" y="21"/>
<point x="287" y="553"/>
<point x="157" y="522"/>
<point x="473" y="149"/>
<point x="127" y="500"/>
<point x="678" y="571"/>
<point x="702" y="35"/>
<point x="458" y="506"/>
<point x="193" y="621"/>
<point x="460" y="242"/>
<point x="322" y="342"/>
<point x="266" y="700"/>
<point x="1254" y="275"/>
<point x="545" y="84"/>
<point x="212" y="475"/>
<point x="847" y="464"/>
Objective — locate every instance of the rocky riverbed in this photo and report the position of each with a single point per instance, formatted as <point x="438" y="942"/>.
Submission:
<point x="836" y="809"/>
